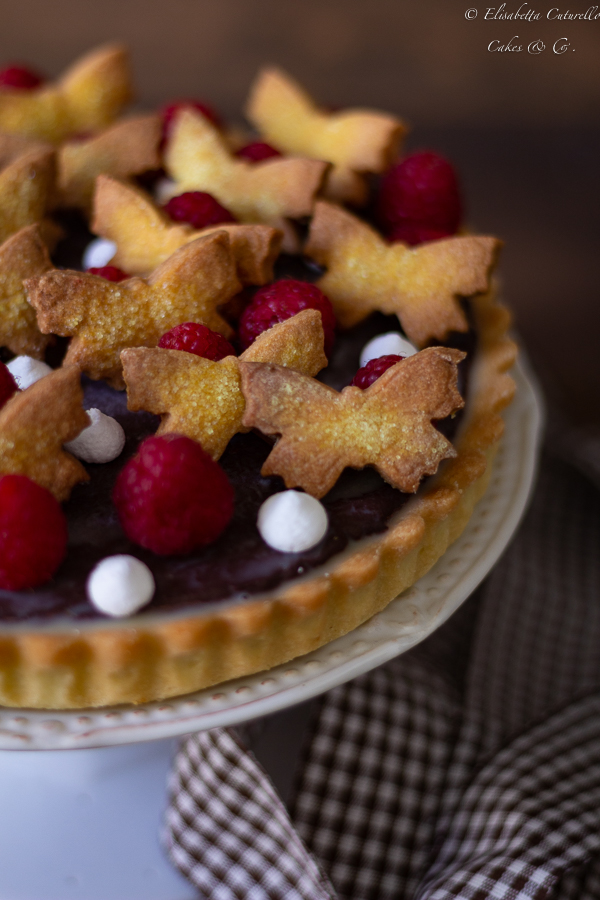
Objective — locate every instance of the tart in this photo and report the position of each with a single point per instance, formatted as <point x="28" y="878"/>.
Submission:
<point x="237" y="606"/>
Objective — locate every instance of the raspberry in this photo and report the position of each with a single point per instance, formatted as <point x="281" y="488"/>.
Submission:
<point x="373" y="370"/>
<point x="8" y="385"/>
<point x="198" y="209"/>
<point x="33" y="533"/>
<point x="257" y="151"/>
<point x="172" y="496"/>
<point x="20" y="78"/>
<point x="111" y="273"/>
<point x="169" y="112"/>
<point x="198" y="339"/>
<point x="280" y="301"/>
<point x="419" y="199"/>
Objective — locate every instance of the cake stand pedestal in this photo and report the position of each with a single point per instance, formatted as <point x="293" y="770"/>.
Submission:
<point x="84" y="825"/>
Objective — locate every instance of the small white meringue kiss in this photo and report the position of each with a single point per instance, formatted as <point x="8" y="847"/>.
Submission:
<point x="120" y="585"/>
<point x="292" y="521"/>
<point x="390" y="344"/>
<point x="98" y="253"/>
<point x="100" y="442"/>
<point x="26" y="370"/>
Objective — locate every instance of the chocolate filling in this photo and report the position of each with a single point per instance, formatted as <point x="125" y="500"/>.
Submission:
<point x="239" y="563"/>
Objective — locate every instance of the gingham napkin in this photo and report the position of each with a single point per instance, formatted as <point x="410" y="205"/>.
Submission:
<point x="468" y="767"/>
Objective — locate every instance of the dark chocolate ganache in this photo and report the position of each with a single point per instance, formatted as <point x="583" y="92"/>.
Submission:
<point x="239" y="564"/>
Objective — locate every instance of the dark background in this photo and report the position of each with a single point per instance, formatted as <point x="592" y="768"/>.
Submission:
<point x="522" y="129"/>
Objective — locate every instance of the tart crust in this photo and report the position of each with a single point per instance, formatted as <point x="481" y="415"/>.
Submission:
<point x="144" y="658"/>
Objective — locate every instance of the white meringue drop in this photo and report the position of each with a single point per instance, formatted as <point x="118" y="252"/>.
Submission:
<point x="164" y="189"/>
<point x="120" y="585"/>
<point x="292" y="521"/>
<point x="101" y="442"/>
<point x="390" y="344"/>
<point x="26" y="370"/>
<point x="98" y="253"/>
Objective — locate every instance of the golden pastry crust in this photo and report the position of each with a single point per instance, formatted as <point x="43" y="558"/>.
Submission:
<point x="355" y="141"/>
<point x="127" y="148"/>
<point x="27" y="186"/>
<point x="421" y="285"/>
<point x="151" y="657"/>
<point x="34" y="425"/>
<point x="22" y="256"/>
<point x="105" y="318"/>
<point x="88" y="97"/>
<point x="146" y="237"/>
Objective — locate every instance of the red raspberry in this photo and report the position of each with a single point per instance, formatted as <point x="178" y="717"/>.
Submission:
<point x="198" y="339"/>
<point x="173" y="497"/>
<point x="8" y="385"/>
<point x="373" y="370"/>
<point x="111" y="273"/>
<point x="169" y="112"/>
<point x="419" y="199"/>
<point x="19" y="78"/>
<point x="257" y="151"/>
<point x="198" y="209"/>
<point x="33" y="533"/>
<point x="280" y="301"/>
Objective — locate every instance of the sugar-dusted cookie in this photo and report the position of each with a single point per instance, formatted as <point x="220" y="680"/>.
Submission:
<point x="26" y="190"/>
<point x="421" y="285"/>
<point x="387" y="426"/>
<point x="22" y="256"/>
<point x="35" y="424"/>
<point x="198" y="158"/>
<point x="145" y="236"/>
<point x="128" y="147"/>
<point x="86" y="98"/>
<point x="203" y="399"/>
<point x="14" y="145"/>
<point x="354" y="140"/>
<point x="104" y="317"/>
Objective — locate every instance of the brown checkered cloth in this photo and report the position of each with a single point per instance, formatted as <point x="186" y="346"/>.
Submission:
<point x="468" y="767"/>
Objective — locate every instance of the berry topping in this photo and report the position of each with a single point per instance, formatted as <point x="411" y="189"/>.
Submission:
<point x="419" y="199"/>
<point x="198" y="339"/>
<point x="8" y="385"/>
<point x="373" y="370"/>
<point x="257" y="151"/>
<point x="169" y="112"/>
<point x="172" y="496"/>
<point x="280" y="301"/>
<point x="198" y="209"/>
<point x="20" y="78"/>
<point x="111" y="273"/>
<point x="33" y="533"/>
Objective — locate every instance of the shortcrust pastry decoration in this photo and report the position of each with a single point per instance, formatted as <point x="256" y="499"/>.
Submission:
<point x="203" y="399"/>
<point x="24" y="255"/>
<point x="26" y="190"/>
<point x="421" y="285"/>
<point x="356" y="141"/>
<point x="198" y="158"/>
<point x="34" y="425"/>
<point x="88" y="97"/>
<point x="146" y="237"/>
<point x="129" y="147"/>
<point x="387" y="426"/>
<point x="104" y="317"/>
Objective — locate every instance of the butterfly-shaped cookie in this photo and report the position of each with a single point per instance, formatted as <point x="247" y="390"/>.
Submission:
<point x="421" y="285"/>
<point x="203" y="399"/>
<point x="387" y="426"/>
<point x="26" y="190"/>
<point x="22" y="256"/>
<point x="34" y="425"/>
<point x="354" y="140"/>
<point x="127" y="148"/>
<point x="145" y="236"/>
<point x="104" y="318"/>
<point x="198" y="158"/>
<point x="86" y="98"/>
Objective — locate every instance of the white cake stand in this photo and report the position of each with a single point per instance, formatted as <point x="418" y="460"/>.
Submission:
<point x="84" y="825"/>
